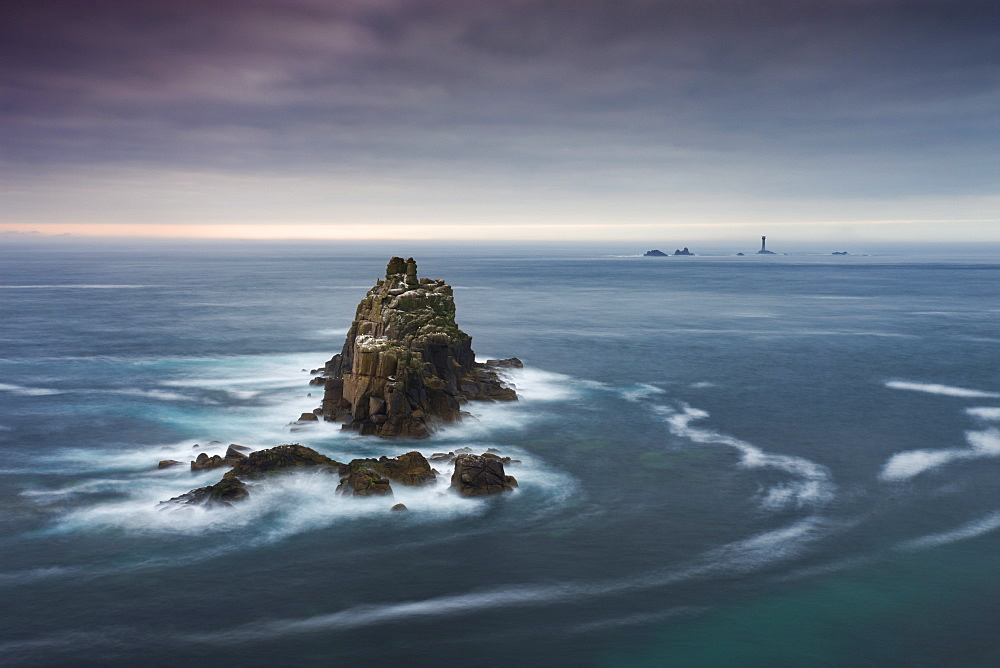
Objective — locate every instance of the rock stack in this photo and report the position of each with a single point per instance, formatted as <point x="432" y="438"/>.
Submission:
<point x="406" y="366"/>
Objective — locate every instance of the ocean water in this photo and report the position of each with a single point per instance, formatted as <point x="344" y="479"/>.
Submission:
<point x="786" y="460"/>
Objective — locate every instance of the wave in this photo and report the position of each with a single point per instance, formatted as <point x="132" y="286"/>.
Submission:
<point x="971" y="529"/>
<point x="813" y="486"/>
<point x="634" y="620"/>
<point x="906" y="465"/>
<point x="751" y="554"/>
<point x="943" y="390"/>
<point x="985" y="413"/>
<point x="641" y="391"/>
<point x="28" y="391"/>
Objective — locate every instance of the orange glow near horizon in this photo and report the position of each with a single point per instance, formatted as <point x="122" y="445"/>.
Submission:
<point x="591" y="231"/>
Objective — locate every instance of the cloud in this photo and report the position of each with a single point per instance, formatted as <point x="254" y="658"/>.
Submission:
<point x="775" y="98"/>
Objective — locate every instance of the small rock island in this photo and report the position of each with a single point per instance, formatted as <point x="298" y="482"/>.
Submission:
<point x="654" y="253"/>
<point x="683" y="252"/>
<point x="406" y="367"/>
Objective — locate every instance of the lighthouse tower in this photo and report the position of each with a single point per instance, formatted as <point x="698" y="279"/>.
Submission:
<point x="763" y="248"/>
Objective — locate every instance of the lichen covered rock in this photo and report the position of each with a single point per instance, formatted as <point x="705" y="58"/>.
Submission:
<point x="406" y="366"/>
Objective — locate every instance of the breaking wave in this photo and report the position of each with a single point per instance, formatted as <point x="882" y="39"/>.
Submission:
<point x="943" y="390"/>
<point x="812" y="486"/>
<point x="27" y="391"/>
<point x="971" y="529"/>
<point x="984" y="443"/>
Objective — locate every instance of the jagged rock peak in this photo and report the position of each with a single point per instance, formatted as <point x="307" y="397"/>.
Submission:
<point x="405" y="365"/>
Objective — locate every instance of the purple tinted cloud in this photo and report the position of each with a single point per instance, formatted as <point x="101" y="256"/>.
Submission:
<point x="814" y="97"/>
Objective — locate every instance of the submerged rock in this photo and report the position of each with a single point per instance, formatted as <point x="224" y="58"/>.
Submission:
<point x="406" y="366"/>
<point x="480" y="476"/>
<point x="167" y="463"/>
<point x="399" y="506"/>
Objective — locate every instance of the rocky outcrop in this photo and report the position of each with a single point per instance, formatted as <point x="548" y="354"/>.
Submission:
<point x="406" y="367"/>
<point x="683" y="252"/>
<point x="654" y="253"/>
<point x="222" y="493"/>
<point x="283" y="458"/>
<point x="364" y="481"/>
<point x="480" y="476"/>
<point x="203" y="462"/>
<point x="291" y="457"/>
<point x="367" y="477"/>
<point x="474" y="475"/>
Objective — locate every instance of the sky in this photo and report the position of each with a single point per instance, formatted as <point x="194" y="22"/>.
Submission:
<point x="668" y="121"/>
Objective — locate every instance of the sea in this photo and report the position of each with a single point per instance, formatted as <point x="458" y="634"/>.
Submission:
<point x="787" y="460"/>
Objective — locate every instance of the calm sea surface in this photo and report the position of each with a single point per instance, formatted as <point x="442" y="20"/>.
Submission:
<point x="788" y="460"/>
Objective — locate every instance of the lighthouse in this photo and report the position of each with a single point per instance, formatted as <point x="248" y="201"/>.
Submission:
<point x="763" y="250"/>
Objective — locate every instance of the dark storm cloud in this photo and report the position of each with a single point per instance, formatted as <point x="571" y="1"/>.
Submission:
<point x="806" y="96"/>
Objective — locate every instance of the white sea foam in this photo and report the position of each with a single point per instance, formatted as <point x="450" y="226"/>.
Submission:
<point x="337" y="331"/>
<point x="944" y="390"/>
<point x="27" y="391"/>
<point x="905" y="465"/>
<point x="639" y="392"/>
<point x="634" y="620"/>
<point x="812" y="485"/>
<point x="971" y="529"/>
<point x="985" y="413"/>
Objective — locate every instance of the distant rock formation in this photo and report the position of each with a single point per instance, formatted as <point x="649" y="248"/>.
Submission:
<point x="839" y="253"/>
<point x="683" y="252"/>
<point x="406" y="366"/>
<point x="654" y="253"/>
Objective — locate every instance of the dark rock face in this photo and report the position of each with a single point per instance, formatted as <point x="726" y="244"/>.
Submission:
<point x="399" y="506"/>
<point x="480" y="476"/>
<point x="406" y="366"/>
<point x="683" y="252"/>
<point x="654" y="253"/>
<point x="167" y="463"/>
